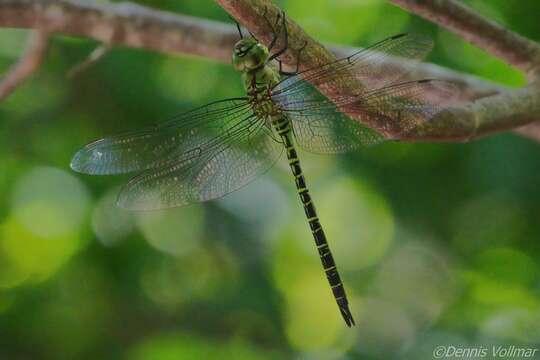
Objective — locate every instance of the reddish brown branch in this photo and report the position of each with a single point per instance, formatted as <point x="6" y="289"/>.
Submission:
<point x="96" y="55"/>
<point x="482" y="32"/>
<point x="136" y="26"/>
<point x="501" y="112"/>
<point x="122" y="24"/>
<point x="140" y="27"/>
<point x="29" y="62"/>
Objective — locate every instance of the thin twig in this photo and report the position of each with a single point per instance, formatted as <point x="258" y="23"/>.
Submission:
<point x="28" y="63"/>
<point x="482" y="32"/>
<point x="96" y="55"/>
<point x="123" y="24"/>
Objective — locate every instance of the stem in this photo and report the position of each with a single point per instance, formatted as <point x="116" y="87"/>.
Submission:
<point x="29" y="62"/>
<point x="482" y="32"/>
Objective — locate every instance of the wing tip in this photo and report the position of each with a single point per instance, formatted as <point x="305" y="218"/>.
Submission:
<point x="93" y="160"/>
<point x="79" y="162"/>
<point x="89" y="160"/>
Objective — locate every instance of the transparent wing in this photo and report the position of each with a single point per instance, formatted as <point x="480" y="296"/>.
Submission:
<point x="321" y="126"/>
<point x="181" y="138"/>
<point x="402" y="107"/>
<point x="368" y="68"/>
<point x="365" y="84"/>
<point x="230" y="161"/>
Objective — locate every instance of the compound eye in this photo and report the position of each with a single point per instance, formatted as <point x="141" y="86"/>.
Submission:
<point x="241" y="51"/>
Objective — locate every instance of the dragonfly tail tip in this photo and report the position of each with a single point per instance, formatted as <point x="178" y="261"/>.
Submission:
<point x="347" y="316"/>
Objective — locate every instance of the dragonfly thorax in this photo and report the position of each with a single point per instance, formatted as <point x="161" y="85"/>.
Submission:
<point x="251" y="58"/>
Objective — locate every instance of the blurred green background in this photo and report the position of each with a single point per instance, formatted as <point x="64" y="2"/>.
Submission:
<point x="438" y="244"/>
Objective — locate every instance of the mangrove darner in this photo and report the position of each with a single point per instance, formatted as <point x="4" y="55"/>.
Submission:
<point x="220" y="147"/>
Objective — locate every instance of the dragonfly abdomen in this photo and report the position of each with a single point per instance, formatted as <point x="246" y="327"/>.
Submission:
<point x="283" y="127"/>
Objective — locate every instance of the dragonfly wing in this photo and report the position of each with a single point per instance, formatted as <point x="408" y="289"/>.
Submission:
<point x="376" y="66"/>
<point x="403" y="106"/>
<point x="369" y="68"/>
<point x="322" y="126"/>
<point x="154" y="146"/>
<point x="229" y="161"/>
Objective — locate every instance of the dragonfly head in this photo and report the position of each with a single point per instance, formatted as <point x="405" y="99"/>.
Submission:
<point x="249" y="54"/>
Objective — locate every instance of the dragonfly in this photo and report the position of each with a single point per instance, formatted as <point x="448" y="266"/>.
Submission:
<point x="218" y="148"/>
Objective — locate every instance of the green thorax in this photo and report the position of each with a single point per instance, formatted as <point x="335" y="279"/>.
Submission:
<point x="261" y="79"/>
<point x="251" y="59"/>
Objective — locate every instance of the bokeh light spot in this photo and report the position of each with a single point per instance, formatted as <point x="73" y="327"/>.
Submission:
<point x="493" y="292"/>
<point x="32" y="258"/>
<point x="175" y="73"/>
<point x="199" y="275"/>
<point x="384" y="328"/>
<point x="190" y="347"/>
<point x="492" y="219"/>
<point x="418" y="279"/>
<point x="110" y="223"/>
<point x="513" y="323"/>
<point x="313" y="319"/>
<point x="507" y="265"/>
<point x="358" y="223"/>
<point x="50" y="203"/>
<point x="175" y="231"/>
<point x="262" y="204"/>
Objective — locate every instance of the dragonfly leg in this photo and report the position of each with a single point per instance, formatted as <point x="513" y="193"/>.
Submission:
<point x="275" y="33"/>
<point x="237" y="27"/>
<point x="297" y="69"/>
<point x="240" y="29"/>
<point x="285" y="39"/>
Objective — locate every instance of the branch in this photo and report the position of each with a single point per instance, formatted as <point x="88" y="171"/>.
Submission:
<point x="482" y="32"/>
<point x="29" y="62"/>
<point x="96" y="55"/>
<point x="136" y="26"/>
<point x="130" y="25"/>
<point x="486" y="116"/>
<point x="531" y="131"/>
<point x="123" y="24"/>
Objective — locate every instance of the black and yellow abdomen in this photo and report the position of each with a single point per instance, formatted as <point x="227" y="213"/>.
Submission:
<point x="282" y="125"/>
